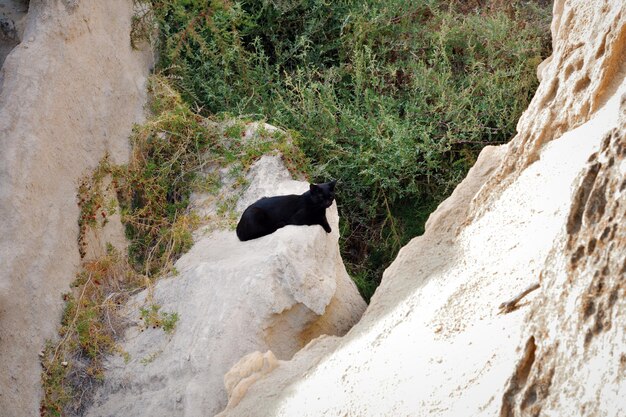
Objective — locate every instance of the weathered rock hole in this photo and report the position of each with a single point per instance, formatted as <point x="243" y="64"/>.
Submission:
<point x="519" y="378"/>
<point x="613" y="297"/>
<point x="596" y="204"/>
<point x="606" y="271"/>
<point x="589" y="308"/>
<point x="577" y="255"/>
<point x="585" y="108"/>
<point x="582" y="84"/>
<point x="552" y="91"/>
<point x="620" y="150"/>
<point x="601" y="47"/>
<point x="612" y="236"/>
<point x="592" y="158"/>
<point x="579" y="63"/>
<point x="576" y="63"/>
<point x="530" y="397"/>
<point x="574" y="220"/>
<point x="605" y="232"/>
<point x="606" y="141"/>
<point x="599" y="323"/>
<point x="591" y="246"/>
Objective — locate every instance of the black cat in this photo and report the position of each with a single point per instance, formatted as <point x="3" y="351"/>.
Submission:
<point x="271" y="213"/>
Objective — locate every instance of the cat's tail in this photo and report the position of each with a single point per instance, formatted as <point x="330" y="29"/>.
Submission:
<point x="254" y="223"/>
<point x="241" y="230"/>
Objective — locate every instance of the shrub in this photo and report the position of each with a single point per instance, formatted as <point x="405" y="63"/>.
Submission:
<point x="155" y="186"/>
<point x="393" y="98"/>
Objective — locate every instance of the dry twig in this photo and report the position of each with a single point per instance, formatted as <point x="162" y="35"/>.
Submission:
<point x="511" y="305"/>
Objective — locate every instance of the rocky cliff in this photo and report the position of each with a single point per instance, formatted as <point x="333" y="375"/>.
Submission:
<point x="233" y="298"/>
<point x="513" y="301"/>
<point x="71" y="88"/>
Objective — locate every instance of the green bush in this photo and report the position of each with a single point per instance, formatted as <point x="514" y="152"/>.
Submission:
<point x="155" y="186"/>
<point x="393" y="98"/>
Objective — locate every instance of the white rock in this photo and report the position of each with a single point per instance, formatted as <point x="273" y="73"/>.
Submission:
<point x="233" y="298"/>
<point x="246" y="372"/>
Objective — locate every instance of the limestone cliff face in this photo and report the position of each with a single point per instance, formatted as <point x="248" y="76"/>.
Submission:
<point x="547" y="209"/>
<point x="69" y="92"/>
<point x="233" y="298"/>
<point x="574" y="356"/>
<point x="585" y="70"/>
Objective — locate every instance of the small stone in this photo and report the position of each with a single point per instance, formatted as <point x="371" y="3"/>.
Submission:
<point x="64" y="363"/>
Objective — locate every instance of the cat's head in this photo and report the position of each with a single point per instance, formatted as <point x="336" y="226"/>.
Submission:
<point x="323" y="194"/>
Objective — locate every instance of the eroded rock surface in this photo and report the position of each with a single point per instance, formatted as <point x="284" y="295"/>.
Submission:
<point x="546" y="209"/>
<point x="584" y="71"/>
<point x="69" y="93"/>
<point x="583" y="299"/>
<point x="233" y="298"/>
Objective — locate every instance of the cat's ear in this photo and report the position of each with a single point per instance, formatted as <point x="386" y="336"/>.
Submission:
<point x="332" y="184"/>
<point x="314" y="188"/>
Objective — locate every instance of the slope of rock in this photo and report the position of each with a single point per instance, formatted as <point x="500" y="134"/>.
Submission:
<point x="69" y="92"/>
<point x="277" y="292"/>
<point x="583" y="298"/>
<point x="546" y="209"/>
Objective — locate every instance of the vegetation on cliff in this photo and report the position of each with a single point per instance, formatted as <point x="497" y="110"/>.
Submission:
<point x="393" y="98"/>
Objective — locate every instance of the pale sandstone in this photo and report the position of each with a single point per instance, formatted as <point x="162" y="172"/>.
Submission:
<point x="69" y="92"/>
<point x="246" y="372"/>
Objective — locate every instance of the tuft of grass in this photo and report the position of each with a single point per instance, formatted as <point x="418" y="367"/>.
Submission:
<point x="94" y="209"/>
<point x="153" y="317"/>
<point x="154" y="188"/>
<point x="73" y="367"/>
<point x="142" y="25"/>
<point x="169" y="151"/>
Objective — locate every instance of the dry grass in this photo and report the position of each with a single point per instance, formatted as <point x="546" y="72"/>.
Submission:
<point x="91" y="323"/>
